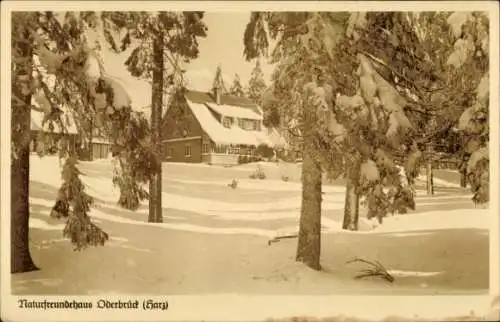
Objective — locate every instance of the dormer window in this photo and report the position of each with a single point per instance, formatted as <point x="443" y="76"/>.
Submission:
<point x="227" y="122"/>
<point x="249" y="125"/>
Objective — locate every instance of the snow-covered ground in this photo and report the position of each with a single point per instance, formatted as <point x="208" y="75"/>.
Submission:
<point x="214" y="238"/>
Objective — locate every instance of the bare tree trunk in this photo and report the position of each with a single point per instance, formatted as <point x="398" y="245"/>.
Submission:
<point x="91" y="138"/>
<point x="155" y="202"/>
<point x="19" y="188"/>
<point x="351" y="205"/>
<point x="309" y="243"/>
<point x="430" y="178"/>
<point x="462" y="169"/>
<point x="463" y="178"/>
<point x="20" y="256"/>
<point x="430" y="172"/>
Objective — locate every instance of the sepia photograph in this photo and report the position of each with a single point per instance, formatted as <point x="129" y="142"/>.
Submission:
<point x="281" y="151"/>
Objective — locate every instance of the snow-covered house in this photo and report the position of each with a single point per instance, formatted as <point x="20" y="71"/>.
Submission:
<point x="215" y="128"/>
<point x="52" y="133"/>
<point x="100" y="148"/>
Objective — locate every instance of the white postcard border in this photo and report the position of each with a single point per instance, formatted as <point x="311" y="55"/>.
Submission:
<point x="255" y="307"/>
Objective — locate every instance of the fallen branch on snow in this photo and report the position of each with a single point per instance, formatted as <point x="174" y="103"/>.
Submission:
<point x="278" y="238"/>
<point x="377" y="270"/>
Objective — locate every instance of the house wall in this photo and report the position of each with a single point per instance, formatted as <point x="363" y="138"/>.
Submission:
<point x="180" y="122"/>
<point x="223" y="159"/>
<point x="100" y="150"/>
<point x="175" y="151"/>
<point x="206" y="148"/>
<point x="181" y="129"/>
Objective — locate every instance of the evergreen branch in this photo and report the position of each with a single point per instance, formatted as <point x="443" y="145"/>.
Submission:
<point x="415" y="107"/>
<point x="429" y="136"/>
<point x="377" y="270"/>
<point x="174" y="62"/>
<point x="55" y="110"/>
<point x="393" y="71"/>
<point x="64" y="35"/>
<point x="23" y="103"/>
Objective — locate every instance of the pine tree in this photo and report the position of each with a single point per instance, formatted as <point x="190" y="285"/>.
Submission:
<point x="456" y="73"/>
<point x="55" y="40"/>
<point x="22" y="80"/>
<point x="237" y="89"/>
<point x="350" y="119"/>
<point x="218" y="82"/>
<point x="256" y="84"/>
<point x="359" y="121"/>
<point x="470" y="58"/>
<point x="169" y="36"/>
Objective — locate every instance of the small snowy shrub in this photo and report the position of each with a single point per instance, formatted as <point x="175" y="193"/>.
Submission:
<point x="233" y="184"/>
<point x="244" y="159"/>
<point x="258" y="174"/>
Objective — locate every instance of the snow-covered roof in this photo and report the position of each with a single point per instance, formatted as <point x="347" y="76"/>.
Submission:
<point x="277" y="139"/>
<point x="235" y="111"/>
<point x="225" y="100"/>
<point x="217" y="132"/>
<point x="233" y="135"/>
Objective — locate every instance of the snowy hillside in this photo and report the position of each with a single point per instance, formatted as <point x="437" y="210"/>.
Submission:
<point x="427" y="251"/>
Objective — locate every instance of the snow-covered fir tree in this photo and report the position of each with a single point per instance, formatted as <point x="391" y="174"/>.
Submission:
<point x="470" y="58"/>
<point x="357" y="106"/>
<point x="54" y="46"/>
<point x="346" y="129"/>
<point x="161" y="42"/>
<point x="256" y="84"/>
<point x="218" y="81"/>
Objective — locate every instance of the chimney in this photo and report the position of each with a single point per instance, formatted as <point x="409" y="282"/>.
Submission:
<point x="217" y="91"/>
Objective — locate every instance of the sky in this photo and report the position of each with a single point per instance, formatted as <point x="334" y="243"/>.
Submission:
<point x="223" y="46"/>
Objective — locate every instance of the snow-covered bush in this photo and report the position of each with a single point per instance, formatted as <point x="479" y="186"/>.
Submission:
<point x="233" y="184"/>
<point x="258" y="173"/>
<point x="244" y="159"/>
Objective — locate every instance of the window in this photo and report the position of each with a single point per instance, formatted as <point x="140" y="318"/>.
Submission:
<point x="187" y="151"/>
<point x="249" y="125"/>
<point x="220" y="149"/>
<point x="204" y="149"/>
<point x="169" y="153"/>
<point x="227" y="121"/>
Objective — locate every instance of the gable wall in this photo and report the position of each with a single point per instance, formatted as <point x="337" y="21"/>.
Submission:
<point x="180" y="118"/>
